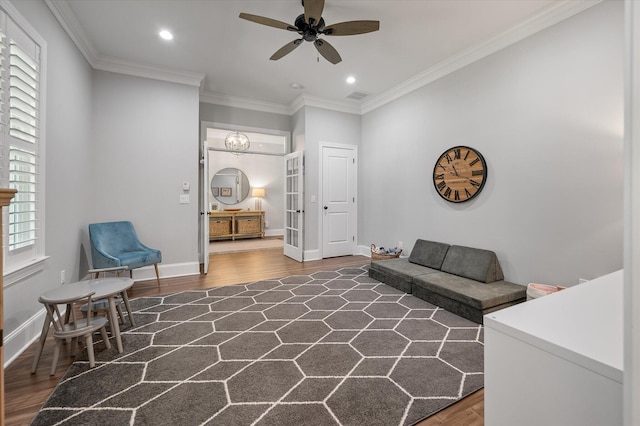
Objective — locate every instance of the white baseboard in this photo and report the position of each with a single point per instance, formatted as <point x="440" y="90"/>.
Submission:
<point x="166" y="271"/>
<point x="311" y="255"/>
<point x="363" y="251"/>
<point x="19" y="339"/>
<point x="274" y="232"/>
<point x="315" y="254"/>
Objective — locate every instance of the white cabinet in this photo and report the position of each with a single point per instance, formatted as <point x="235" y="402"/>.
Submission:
<point x="557" y="360"/>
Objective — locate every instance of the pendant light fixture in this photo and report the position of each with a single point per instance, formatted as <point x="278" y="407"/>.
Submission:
<point x="237" y="142"/>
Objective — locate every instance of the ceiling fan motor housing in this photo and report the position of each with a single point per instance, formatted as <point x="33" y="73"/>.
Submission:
<point x="308" y="32"/>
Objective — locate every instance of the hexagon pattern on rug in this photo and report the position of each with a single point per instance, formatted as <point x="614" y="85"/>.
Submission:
<point x="330" y="348"/>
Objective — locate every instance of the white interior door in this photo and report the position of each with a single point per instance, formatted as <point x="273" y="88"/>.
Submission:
<point x="293" y="205"/>
<point x="204" y="207"/>
<point x="339" y="211"/>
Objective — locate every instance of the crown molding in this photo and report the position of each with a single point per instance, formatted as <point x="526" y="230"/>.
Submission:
<point x="73" y="28"/>
<point x="244" y="103"/>
<point x="314" y="101"/>
<point x="551" y="15"/>
<point x="146" y="71"/>
<point x="71" y="25"/>
<point x="299" y="102"/>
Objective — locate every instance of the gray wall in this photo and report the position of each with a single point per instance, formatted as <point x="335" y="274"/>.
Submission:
<point x="146" y="145"/>
<point x="546" y="113"/>
<point x="68" y="163"/>
<point x="244" y="117"/>
<point x="325" y="126"/>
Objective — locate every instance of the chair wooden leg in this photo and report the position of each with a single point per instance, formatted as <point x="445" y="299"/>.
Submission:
<point x="56" y="354"/>
<point x="43" y="338"/>
<point x="125" y="299"/>
<point x="92" y="358"/>
<point x="74" y="344"/>
<point x="105" y="337"/>
<point x="120" y="313"/>
<point x="157" y="273"/>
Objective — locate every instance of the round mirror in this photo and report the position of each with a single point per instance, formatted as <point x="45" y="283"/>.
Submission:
<point x="230" y="186"/>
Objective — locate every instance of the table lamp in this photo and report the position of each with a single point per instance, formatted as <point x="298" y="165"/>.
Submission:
<point x="258" y="193"/>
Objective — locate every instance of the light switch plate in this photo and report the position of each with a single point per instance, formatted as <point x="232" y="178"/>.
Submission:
<point x="184" y="199"/>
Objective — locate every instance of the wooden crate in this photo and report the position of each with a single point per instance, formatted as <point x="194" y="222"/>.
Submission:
<point x="249" y="226"/>
<point x="219" y="227"/>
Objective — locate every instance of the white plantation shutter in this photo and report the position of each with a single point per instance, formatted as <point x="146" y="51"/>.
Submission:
<point x="23" y="151"/>
<point x="20" y="145"/>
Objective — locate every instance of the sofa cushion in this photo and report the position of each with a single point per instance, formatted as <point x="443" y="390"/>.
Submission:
<point x="400" y="267"/>
<point x="470" y="292"/>
<point x="476" y="264"/>
<point x="428" y="253"/>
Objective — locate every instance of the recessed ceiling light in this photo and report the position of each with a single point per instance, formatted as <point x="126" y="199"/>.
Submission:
<point x="351" y="79"/>
<point x="166" y="35"/>
<point x="296" y="86"/>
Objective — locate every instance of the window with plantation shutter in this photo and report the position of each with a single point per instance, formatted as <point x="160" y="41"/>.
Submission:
<point x="20" y="142"/>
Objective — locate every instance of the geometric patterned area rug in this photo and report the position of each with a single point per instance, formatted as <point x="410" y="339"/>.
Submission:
<point x="329" y="348"/>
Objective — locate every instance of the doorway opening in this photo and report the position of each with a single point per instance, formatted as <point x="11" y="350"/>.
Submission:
<point x="243" y="183"/>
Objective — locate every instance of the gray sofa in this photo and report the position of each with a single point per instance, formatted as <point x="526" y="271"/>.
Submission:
<point x="464" y="280"/>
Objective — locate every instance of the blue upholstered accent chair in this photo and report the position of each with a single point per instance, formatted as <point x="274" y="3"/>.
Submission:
<point x="116" y="244"/>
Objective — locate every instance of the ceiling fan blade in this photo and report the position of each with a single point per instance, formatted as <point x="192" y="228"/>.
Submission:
<point x="286" y="49"/>
<point x="327" y="51"/>
<point x="351" y="28"/>
<point x="268" y="22"/>
<point x="313" y="11"/>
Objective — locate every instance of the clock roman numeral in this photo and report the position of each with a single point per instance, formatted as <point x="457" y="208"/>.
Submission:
<point x="448" y="157"/>
<point x="477" y="173"/>
<point x="456" y="195"/>
<point x="439" y="176"/>
<point x="466" y="191"/>
<point x="474" y="161"/>
<point x="447" y="193"/>
<point x="441" y="166"/>
<point x="441" y="185"/>
<point x="474" y="183"/>
<point x="466" y="155"/>
<point x="456" y="153"/>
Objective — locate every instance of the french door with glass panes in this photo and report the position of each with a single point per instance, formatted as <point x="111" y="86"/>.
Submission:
<point x="293" y="205"/>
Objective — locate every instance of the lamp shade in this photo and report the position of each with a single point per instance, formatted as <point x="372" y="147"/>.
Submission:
<point x="257" y="192"/>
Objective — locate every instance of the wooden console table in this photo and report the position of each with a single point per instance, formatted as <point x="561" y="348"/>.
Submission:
<point x="236" y="224"/>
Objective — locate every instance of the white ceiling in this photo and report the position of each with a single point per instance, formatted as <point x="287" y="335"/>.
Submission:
<point x="417" y="40"/>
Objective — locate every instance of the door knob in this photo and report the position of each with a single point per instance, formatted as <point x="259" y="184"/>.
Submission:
<point x="325" y="207"/>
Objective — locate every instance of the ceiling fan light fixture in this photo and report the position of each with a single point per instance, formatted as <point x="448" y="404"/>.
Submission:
<point x="237" y="142"/>
<point x="310" y="26"/>
<point x="351" y="79"/>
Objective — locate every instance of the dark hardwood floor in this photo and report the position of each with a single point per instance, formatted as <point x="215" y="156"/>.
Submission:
<point x="25" y="392"/>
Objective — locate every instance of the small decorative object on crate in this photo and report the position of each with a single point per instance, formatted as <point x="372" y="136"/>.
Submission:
<point x="380" y="253"/>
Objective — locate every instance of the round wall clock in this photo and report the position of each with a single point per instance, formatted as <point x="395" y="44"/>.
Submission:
<point x="459" y="174"/>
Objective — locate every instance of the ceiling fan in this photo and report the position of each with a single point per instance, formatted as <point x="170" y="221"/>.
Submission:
<point x="310" y="25"/>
